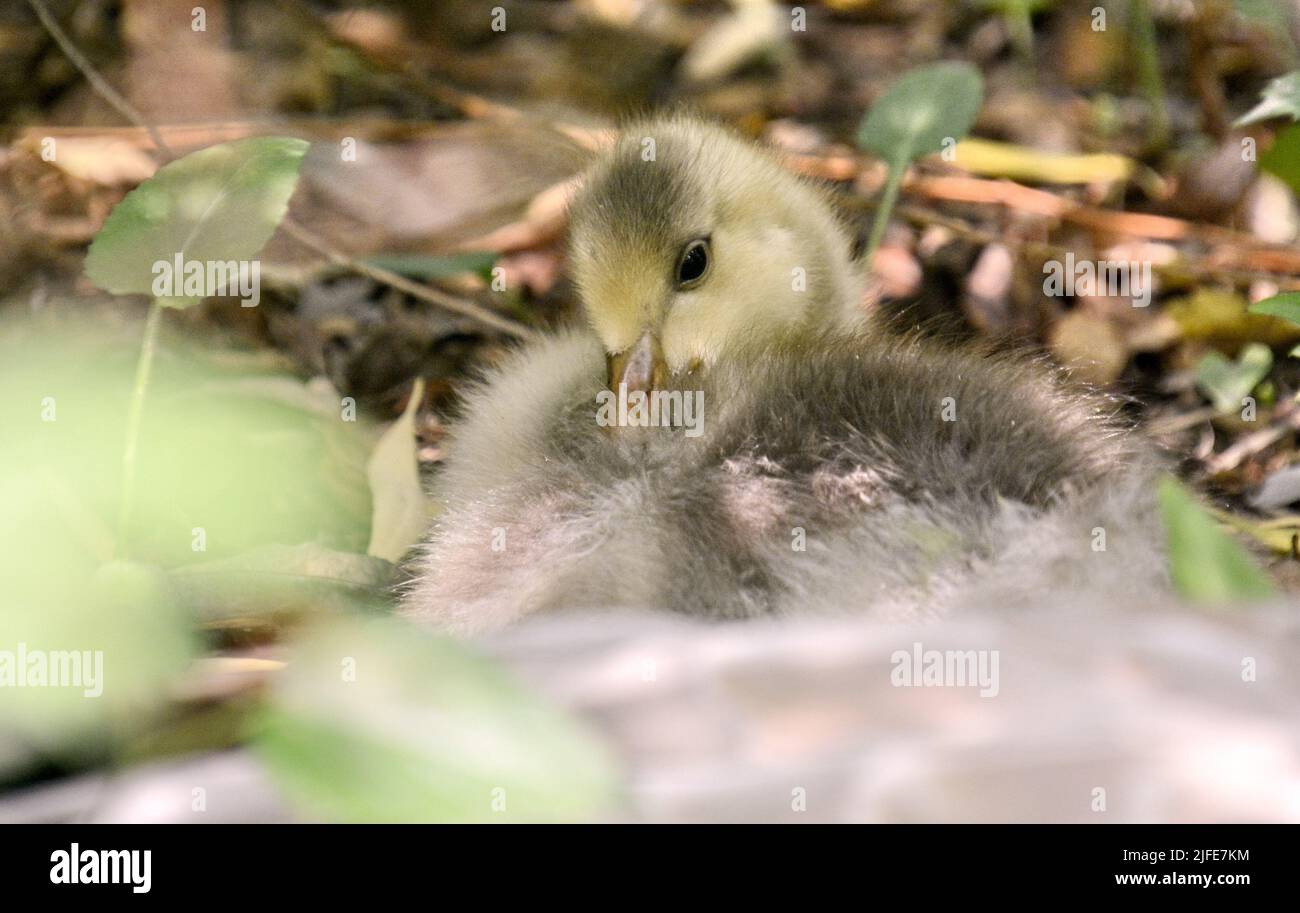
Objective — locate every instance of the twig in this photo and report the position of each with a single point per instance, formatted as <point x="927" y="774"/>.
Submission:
<point x="1182" y="421"/>
<point x="467" y="103"/>
<point x="464" y="307"/>
<point x="98" y="82"/>
<point x="1246" y="259"/>
<point x="427" y="293"/>
<point x="1284" y="277"/>
<point x="1252" y="444"/>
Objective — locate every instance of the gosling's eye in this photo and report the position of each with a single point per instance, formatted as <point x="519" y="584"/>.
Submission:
<point x="693" y="264"/>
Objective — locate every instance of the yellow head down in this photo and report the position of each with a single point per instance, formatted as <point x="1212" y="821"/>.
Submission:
<point x="688" y="243"/>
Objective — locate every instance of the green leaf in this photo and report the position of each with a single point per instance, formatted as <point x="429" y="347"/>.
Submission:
<point x="921" y="110"/>
<point x="1207" y="565"/>
<point x="1282" y="158"/>
<point x="421" y="266"/>
<point x="110" y="640"/>
<point x="249" y="459"/>
<point x="1280" y="98"/>
<point x="399" y="513"/>
<point x="376" y="721"/>
<point x="1226" y="383"/>
<point x="1285" y="305"/>
<point x="218" y="204"/>
<point x="284" y="580"/>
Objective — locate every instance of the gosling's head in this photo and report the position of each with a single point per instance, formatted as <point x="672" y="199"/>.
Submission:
<point x="689" y="243"/>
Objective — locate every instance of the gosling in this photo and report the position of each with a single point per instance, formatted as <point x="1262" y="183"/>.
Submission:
<point x="802" y="460"/>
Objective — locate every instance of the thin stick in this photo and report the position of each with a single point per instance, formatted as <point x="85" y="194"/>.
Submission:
<point x="402" y="284"/>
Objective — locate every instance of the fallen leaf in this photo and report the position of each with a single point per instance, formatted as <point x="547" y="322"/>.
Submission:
<point x="1021" y="163"/>
<point x="753" y="28"/>
<point x="400" y="513"/>
<point x="109" y="161"/>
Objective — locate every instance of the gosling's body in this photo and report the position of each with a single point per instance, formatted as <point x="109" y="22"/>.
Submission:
<point x="838" y="468"/>
<point x="831" y="483"/>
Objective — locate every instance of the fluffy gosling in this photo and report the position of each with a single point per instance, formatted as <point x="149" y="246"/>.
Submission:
<point x="835" y="467"/>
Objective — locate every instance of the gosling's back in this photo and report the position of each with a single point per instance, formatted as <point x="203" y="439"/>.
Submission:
<point x="850" y="472"/>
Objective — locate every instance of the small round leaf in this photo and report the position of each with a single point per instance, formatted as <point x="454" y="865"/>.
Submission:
<point x="921" y="110"/>
<point x="218" y="204"/>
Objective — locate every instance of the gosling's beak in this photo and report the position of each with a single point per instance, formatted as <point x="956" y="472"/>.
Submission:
<point x="641" y="367"/>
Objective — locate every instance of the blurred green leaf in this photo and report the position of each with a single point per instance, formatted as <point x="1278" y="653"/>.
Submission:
<point x="921" y="110"/>
<point x="400" y="512"/>
<point x="1285" y="305"/>
<point x="234" y="459"/>
<point x="280" y="580"/>
<point x="109" y="638"/>
<point x="1226" y="383"/>
<point x="1207" y="564"/>
<point x="1282" y="158"/>
<point x="218" y="204"/>
<point x="1280" y="98"/>
<point x="376" y="721"/>
<point x="421" y="266"/>
<point x="1221" y="317"/>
